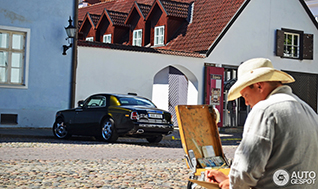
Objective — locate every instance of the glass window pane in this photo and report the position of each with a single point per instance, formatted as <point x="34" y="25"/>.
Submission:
<point x="296" y="40"/>
<point x="289" y="40"/>
<point x="4" y="38"/>
<point x="161" y="30"/>
<point x="295" y="52"/>
<point x="15" y="75"/>
<point x="161" y="40"/>
<point x="289" y="50"/>
<point x="17" y="41"/>
<point x="3" y="58"/>
<point x="3" y="75"/>
<point x="16" y="60"/>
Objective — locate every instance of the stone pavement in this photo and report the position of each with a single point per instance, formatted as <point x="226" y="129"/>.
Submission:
<point x="33" y="158"/>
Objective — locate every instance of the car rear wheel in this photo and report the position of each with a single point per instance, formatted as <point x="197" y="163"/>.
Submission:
<point x="109" y="133"/>
<point x="60" y="129"/>
<point x="155" y="139"/>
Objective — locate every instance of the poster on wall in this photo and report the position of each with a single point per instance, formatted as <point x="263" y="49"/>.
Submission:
<point x="215" y="96"/>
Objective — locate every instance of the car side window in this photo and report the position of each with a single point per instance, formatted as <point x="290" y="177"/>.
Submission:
<point x="96" y="101"/>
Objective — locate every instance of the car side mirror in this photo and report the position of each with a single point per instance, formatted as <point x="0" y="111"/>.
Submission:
<point x="80" y="103"/>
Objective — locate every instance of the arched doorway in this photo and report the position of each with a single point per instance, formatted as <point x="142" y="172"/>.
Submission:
<point x="174" y="85"/>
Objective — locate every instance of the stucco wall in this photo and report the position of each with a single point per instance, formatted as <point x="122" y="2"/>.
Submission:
<point x="118" y="71"/>
<point x="48" y="87"/>
<point x="253" y="35"/>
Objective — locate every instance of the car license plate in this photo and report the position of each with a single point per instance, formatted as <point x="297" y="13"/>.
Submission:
<point x="157" y="116"/>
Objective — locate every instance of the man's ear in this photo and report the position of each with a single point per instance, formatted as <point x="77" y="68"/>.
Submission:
<point x="260" y="86"/>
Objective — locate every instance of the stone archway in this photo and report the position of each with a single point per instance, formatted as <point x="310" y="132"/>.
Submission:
<point x="174" y="85"/>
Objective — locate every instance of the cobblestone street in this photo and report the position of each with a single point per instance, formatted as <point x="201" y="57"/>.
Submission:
<point x="38" y="162"/>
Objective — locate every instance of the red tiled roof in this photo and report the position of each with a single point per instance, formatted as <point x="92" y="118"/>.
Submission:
<point x="137" y="49"/>
<point x="210" y="17"/>
<point x="94" y="18"/>
<point x="176" y="9"/>
<point x="144" y="8"/>
<point x="114" y="5"/>
<point x="118" y="18"/>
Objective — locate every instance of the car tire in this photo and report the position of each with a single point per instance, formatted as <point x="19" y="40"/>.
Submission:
<point x="155" y="139"/>
<point x="108" y="131"/>
<point x="60" y="129"/>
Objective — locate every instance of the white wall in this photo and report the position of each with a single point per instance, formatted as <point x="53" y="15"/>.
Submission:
<point x="253" y="35"/>
<point x="118" y="71"/>
<point x="160" y="90"/>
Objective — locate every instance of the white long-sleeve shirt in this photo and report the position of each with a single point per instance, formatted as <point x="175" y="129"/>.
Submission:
<point x="280" y="134"/>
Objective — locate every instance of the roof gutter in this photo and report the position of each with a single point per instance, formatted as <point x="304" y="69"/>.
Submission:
<point x="227" y="27"/>
<point x="74" y="57"/>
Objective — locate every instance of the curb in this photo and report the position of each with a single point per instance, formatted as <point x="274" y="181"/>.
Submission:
<point x="225" y="130"/>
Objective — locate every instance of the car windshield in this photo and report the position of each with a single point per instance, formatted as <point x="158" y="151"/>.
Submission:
<point x="135" y="101"/>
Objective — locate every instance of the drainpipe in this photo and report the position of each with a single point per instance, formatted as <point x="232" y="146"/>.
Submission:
<point x="74" y="57"/>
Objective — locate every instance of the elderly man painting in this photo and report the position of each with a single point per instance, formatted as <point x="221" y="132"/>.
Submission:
<point x="280" y="139"/>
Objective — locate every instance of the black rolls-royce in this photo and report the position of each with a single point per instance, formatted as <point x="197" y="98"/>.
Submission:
<point x="109" y="116"/>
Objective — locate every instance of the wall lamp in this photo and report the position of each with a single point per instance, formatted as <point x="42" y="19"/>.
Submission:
<point x="70" y="31"/>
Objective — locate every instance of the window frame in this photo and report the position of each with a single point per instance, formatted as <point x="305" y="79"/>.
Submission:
<point x="25" y="56"/>
<point x="108" y="36"/>
<point x="157" y="36"/>
<point x="306" y="47"/>
<point x="89" y="39"/>
<point x="294" y="45"/>
<point x="137" y="41"/>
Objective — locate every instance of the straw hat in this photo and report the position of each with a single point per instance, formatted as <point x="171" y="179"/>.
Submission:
<point x="256" y="70"/>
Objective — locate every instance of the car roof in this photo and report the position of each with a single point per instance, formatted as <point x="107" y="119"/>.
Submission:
<point x="118" y="95"/>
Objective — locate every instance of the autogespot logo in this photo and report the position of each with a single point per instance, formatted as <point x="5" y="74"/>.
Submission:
<point x="281" y="177"/>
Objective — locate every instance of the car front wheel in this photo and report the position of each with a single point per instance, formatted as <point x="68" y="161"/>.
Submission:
<point x="155" y="139"/>
<point x="60" y="129"/>
<point x="109" y="133"/>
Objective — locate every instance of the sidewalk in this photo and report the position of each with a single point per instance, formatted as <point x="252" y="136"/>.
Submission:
<point x="27" y="132"/>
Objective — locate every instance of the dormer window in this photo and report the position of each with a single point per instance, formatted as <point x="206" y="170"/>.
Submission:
<point x="159" y="35"/>
<point x="137" y="38"/>
<point x="107" y="38"/>
<point x="89" y="39"/>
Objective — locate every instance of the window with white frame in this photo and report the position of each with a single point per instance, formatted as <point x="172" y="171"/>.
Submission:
<point x="137" y="37"/>
<point x="13" y="56"/>
<point x="294" y="44"/>
<point x="159" y="35"/>
<point x="107" y="38"/>
<point x="89" y="38"/>
<point x="291" y="45"/>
